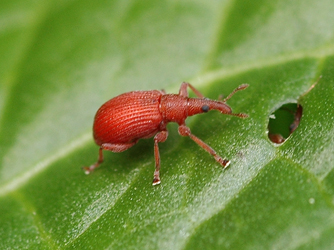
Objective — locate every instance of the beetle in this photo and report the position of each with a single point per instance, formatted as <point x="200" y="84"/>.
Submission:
<point x="122" y="121"/>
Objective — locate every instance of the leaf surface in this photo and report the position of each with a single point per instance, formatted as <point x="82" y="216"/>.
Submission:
<point x="62" y="60"/>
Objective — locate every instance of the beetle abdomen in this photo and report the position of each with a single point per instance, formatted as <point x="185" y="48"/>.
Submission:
<point x="128" y="117"/>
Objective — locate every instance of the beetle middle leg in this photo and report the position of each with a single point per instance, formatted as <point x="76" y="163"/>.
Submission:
<point x="159" y="137"/>
<point x="185" y="131"/>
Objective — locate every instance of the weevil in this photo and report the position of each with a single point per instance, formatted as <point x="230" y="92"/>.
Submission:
<point x="122" y="121"/>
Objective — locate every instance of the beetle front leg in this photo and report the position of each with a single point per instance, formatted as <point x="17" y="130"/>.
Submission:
<point x="159" y="137"/>
<point x="184" y="92"/>
<point x="185" y="131"/>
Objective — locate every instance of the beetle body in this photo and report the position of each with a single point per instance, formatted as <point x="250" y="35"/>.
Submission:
<point x="123" y="120"/>
<point x="128" y="118"/>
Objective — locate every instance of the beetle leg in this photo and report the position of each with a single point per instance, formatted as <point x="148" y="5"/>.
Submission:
<point x="184" y="92"/>
<point x="185" y="131"/>
<point x="89" y="169"/>
<point x="111" y="147"/>
<point x="159" y="137"/>
<point x="117" y="147"/>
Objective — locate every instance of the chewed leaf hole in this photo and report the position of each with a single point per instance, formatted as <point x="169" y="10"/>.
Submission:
<point x="284" y="121"/>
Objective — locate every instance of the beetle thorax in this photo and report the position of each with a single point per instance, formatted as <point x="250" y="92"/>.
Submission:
<point x="174" y="108"/>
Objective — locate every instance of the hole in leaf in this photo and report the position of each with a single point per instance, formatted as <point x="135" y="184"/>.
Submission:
<point x="284" y="121"/>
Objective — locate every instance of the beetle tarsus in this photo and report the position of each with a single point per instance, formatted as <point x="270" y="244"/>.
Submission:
<point x="156" y="181"/>
<point x="224" y="162"/>
<point x="89" y="169"/>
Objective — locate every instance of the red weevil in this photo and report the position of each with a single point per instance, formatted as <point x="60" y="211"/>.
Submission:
<point x="123" y="120"/>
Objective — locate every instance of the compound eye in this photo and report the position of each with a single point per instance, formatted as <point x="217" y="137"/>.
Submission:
<point x="205" y="108"/>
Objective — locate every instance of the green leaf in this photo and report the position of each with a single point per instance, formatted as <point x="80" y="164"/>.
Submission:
<point x="61" y="60"/>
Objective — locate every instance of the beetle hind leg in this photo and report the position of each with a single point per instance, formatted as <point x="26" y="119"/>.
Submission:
<point x="111" y="147"/>
<point x="91" y="168"/>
